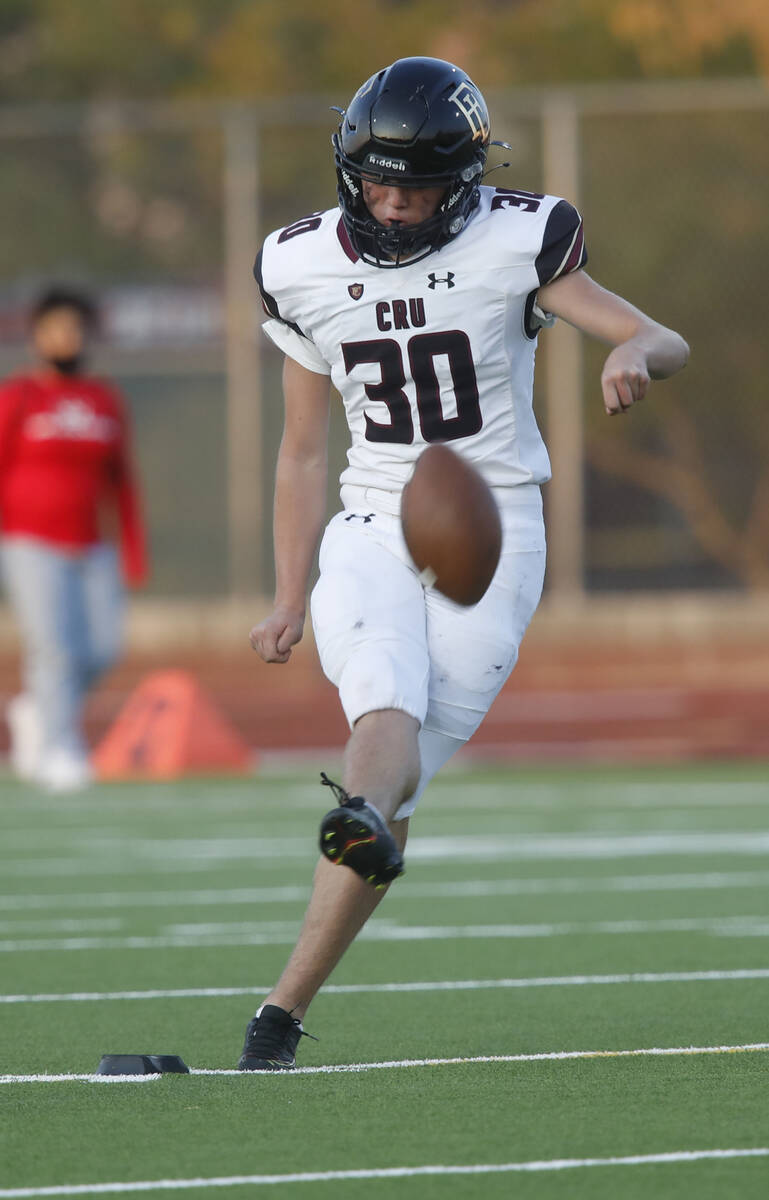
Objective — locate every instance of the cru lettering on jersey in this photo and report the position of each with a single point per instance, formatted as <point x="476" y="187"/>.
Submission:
<point x="400" y="314"/>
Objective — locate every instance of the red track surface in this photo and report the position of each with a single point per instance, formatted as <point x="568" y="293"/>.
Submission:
<point x="585" y="702"/>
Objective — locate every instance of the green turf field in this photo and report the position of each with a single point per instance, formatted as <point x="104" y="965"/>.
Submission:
<point x="544" y="915"/>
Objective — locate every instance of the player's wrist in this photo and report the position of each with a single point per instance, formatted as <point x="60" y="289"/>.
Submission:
<point x="291" y="607"/>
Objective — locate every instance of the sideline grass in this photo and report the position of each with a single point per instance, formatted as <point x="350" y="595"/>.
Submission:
<point x="224" y="838"/>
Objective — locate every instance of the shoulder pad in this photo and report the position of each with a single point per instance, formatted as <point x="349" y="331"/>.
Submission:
<point x="280" y="269"/>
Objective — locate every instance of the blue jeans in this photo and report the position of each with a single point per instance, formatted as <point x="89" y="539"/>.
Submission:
<point x="69" y="608"/>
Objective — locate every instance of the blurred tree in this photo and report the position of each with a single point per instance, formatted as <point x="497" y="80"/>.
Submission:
<point x="78" y="49"/>
<point x="690" y="244"/>
<point x="683" y="36"/>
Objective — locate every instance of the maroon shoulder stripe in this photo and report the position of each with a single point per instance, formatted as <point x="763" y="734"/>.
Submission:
<point x="577" y="258"/>
<point x="563" y="244"/>
<point x="344" y="241"/>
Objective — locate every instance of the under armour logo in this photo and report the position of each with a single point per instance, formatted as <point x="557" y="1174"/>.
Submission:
<point x="448" y="280"/>
<point x="366" y="519"/>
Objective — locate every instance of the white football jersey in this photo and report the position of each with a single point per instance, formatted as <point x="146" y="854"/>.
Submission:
<point x="441" y="350"/>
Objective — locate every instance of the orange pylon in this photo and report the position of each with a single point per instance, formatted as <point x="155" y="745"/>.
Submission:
<point x="168" y="727"/>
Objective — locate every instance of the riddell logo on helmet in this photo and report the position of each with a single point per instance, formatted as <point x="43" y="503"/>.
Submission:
<point x="387" y="164"/>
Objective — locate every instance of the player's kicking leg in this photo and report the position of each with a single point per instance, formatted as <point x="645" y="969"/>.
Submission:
<point x="381" y="764"/>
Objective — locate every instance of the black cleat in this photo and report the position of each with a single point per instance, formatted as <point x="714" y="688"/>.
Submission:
<point x="354" y="835"/>
<point x="271" y="1041"/>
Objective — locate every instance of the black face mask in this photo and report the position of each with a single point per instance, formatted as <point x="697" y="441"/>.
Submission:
<point x="67" y="366"/>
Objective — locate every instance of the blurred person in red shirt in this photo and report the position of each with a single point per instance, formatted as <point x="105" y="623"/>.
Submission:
<point x="69" y="511"/>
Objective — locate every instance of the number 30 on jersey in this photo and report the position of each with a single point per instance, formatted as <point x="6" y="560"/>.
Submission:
<point x="422" y="350"/>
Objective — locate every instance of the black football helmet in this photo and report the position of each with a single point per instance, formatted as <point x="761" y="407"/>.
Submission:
<point x="418" y="123"/>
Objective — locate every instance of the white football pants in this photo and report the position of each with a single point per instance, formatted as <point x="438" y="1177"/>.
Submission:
<point x="386" y="641"/>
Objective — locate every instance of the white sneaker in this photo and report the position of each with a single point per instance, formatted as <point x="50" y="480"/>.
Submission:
<point x="26" y="736"/>
<point x="63" y="771"/>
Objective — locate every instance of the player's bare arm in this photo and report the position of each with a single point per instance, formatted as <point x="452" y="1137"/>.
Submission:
<point x="643" y="349"/>
<point x="300" y="506"/>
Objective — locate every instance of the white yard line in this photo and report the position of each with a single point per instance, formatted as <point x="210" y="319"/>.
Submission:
<point x="287" y="893"/>
<point x="651" y="796"/>
<point x="63" y="925"/>
<point x="222" y="935"/>
<point x="534" y="1166"/>
<point x="145" y="857"/>
<point x="450" y="791"/>
<point x="280" y="894"/>
<point x="443" y="985"/>
<point x="342" y="1068"/>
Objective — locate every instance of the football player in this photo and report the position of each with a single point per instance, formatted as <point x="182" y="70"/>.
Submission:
<point x="420" y="298"/>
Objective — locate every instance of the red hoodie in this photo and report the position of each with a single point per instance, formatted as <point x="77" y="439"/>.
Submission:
<point x="65" y="462"/>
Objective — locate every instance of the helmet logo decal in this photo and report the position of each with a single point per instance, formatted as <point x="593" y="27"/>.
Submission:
<point x="364" y="89"/>
<point x="390" y="164"/>
<point x="448" y="280"/>
<point x="349" y="183"/>
<point x="469" y="104"/>
<point x="355" y="290"/>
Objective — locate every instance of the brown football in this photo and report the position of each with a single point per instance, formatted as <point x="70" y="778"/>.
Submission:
<point x="451" y="525"/>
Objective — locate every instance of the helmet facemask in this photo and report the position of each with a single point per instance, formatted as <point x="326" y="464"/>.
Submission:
<point x="402" y="245"/>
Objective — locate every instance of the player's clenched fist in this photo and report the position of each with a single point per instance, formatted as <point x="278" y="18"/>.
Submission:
<point x="625" y="378"/>
<point x="275" y="636"/>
